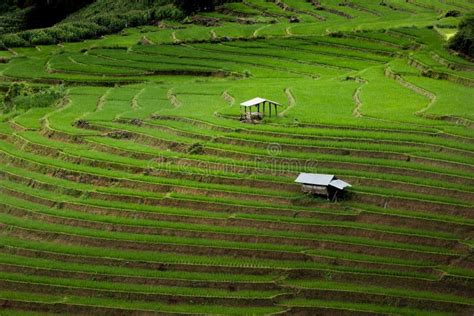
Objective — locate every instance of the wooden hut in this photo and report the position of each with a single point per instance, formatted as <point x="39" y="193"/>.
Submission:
<point x="322" y="184"/>
<point x="256" y="108"/>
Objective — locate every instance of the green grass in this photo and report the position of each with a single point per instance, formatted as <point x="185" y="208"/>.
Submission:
<point x="137" y="288"/>
<point x="134" y="305"/>
<point x="46" y="264"/>
<point x="343" y="305"/>
<point x="337" y="286"/>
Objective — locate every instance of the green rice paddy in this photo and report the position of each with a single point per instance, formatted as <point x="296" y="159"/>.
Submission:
<point x="142" y="192"/>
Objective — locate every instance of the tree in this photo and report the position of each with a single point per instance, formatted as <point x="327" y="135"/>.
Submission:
<point x="192" y="6"/>
<point x="463" y="41"/>
<point x="45" y="13"/>
<point x="15" y="89"/>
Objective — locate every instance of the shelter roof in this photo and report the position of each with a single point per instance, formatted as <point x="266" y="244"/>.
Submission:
<point x="256" y="101"/>
<point x="322" y="180"/>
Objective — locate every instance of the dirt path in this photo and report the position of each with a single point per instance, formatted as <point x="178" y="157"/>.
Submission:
<point x="357" y="110"/>
<point x="66" y="103"/>
<point x="173" y="99"/>
<point x="431" y="96"/>
<point x="135" y="105"/>
<point x="13" y="52"/>
<point x="228" y="98"/>
<point x="291" y="101"/>
<point x="418" y="90"/>
<point x="74" y="61"/>
<point x="174" y="38"/>
<point x="100" y="102"/>
<point x="361" y="8"/>
<point x="47" y="67"/>
<point x="286" y="7"/>
<point x="318" y="6"/>
<point x="358" y="102"/>
<point x="255" y="33"/>
<point x="145" y="41"/>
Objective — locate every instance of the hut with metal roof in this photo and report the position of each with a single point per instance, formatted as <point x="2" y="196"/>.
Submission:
<point x="250" y="110"/>
<point x="327" y="185"/>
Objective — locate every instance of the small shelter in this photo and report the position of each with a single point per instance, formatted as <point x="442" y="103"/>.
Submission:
<point x="322" y="184"/>
<point x="258" y="104"/>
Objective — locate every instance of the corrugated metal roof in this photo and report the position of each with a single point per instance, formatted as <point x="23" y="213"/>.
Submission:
<point x="314" y="178"/>
<point x="339" y="184"/>
<point x="256" y="101"/>
<point x="321" y="179"/>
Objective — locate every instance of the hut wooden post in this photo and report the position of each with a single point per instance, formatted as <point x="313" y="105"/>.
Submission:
<point x="258" y="103"/>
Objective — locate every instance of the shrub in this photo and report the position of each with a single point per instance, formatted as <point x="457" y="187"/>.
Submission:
<point x="195" y="149"/>
<point x="13" y="40"/>
<point x="463" y="41"/>
<point x="453" y="13"/>
<point x="336" y="34"/>
<point x="166" y="13"/>
<point x="43" y="98"/>
<point x="110" y="22"/>
<point x="192" y="6"/>
<point x="40" y="37"/>
<point x="16" y="89"/>
<point x="21" y="96"/>
<point x="97" y="24"/>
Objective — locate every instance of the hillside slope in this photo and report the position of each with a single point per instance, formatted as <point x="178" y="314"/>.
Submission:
<point x="100" y="17"/>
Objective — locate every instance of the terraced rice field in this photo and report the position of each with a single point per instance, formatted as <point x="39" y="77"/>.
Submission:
<point x="141" y="192"/>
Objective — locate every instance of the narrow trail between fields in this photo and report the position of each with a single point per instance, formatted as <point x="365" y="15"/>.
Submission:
<point x="286" y="7"/>
<point x="173" y="99"/>
<point x="213" y="34"/>
<point x="65" y="104"/>
<point x="135" y="104"/>
<point x="361" y="8"/>
<point x="100" y="102"/>
<point x="291" y="101"/>
<point x="356" y="97"/>
<point x="418" y="90"/>
<point x="47" y="67"/>
<point x="13" y="52"/>
<point x="255" y="33"/>
<point x="72" y="60"/>
<point x="310" y="75"/>
<point x="228" y="98"/>
<point x="174" y="38"/>
<point x="358" y="102"/>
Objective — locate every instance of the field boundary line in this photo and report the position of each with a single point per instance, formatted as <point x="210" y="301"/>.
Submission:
<point x="418" y="90"/>
<point x="255" y="33"/>
<point x="135" y="104"/>
<point x="174" y="38"/>
<point x="356" y="97"/>
<point x="291" y="101"/>
<point x="228" y="98"/>
<point x="173" y="99"/>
